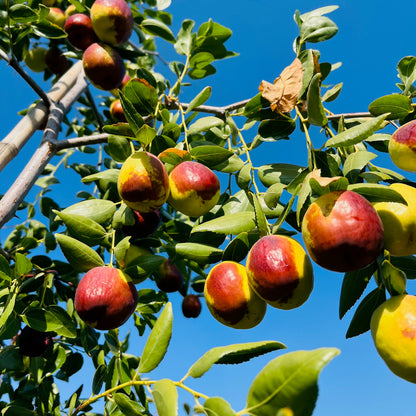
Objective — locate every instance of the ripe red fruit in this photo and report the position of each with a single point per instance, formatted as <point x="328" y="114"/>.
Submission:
<point x="116" y="111"/>
<point x="230" y="299"/>
<point x="103" y="66"/>
<point x="168" y="277"/>
<point x="33" y="343"/>
<point x="80" y="32"/>
<point x="194" y="188"/>
<point x="191" y="306"/>
<point x="143" y="182"/>
<point x="56" y="61"/>
<point x="145" y="224"/>
<point x="280" y="271"/>
<point x="112" y="21"/>
<point x="402" y="147"/>
<point x="342" y="231"/>
<point x="105" y="298"/>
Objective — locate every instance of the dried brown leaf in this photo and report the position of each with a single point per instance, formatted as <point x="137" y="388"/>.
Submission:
<point x="284" y="92"/>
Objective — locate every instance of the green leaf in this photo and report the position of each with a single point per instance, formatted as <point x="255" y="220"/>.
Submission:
<point x="318" y="12"/>
<point x="157" y="28"/>
<point x="158" y="341"/>
<point x="80" y="256"/>
<point x="316" y="111"/>
<point x="278" y="128"/>
<point x="127" y="406"/>
<point x="278" y="173"/>
<point x="405" y="263"/>
<point x="355" y="162"/>
<point x="200" y="99"/>
<point x="353" y="286"/>
<point x="210" y="155"/>
<point x="228" y="224"/>
<point x="48" y="30"/>
<point x="99" y="378"/>
<point x="118" y="147"/>
<point x="54" y="319"/>
<point x="360" y="322"/>
<point x="98" y="210"/>
<point x="238" y="248"/>
<point x="261" y="220"/>
<point x="200" y="253"/>
<point x="231" y="165"/>
<point x="22" y="13"/>
<point x="22" y="265"/>
<point x="204" y="124"/>
<point x="84" y="229"/>
<point x="317" y="29"/>
<point x="232" y="354"/>
<point x="357" y="133"/>
<point x="165" y="396"/>
<point x="141" y="92"/>
<point x="133" y="117"/>
<point x="184" y="41"/>
<point x="398" y="105"/>
<point x="123" y="216"/>
<point x="244" y="176"/>
<point x="332" y="93"/>
<point x="407" y="72"/>
<point x="289" y="381"/>
<point x="217" y="406"/>
<point x="110" y="175"/>
<point x="145" y="135"/>
<point x="9" y="305"/>
<point x="375" y="192"/>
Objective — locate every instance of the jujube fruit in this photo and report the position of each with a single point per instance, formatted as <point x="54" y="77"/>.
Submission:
<point x="342" y="231"/>
<point x="280" y="271"/>
<point x="402" y="147"/>
<point x="393" y="329"/>
<point x="230" y="298"/>
<point x="168" y="277"/>
<point x="35" y="59"/>
<point x="103" y="66"/>
<point x="117" y="112"/>
<point x="105" y="298"/>
<point x="191" y="306"/>
<point x="194" y="188"/>
<point x="56" y="61"/>
<point x="399" y="221"/>
<point x="79" y="30"/>
<point x="112" y="21"/>
<point x="145" y="224"/>
<point x="143" y="182"/>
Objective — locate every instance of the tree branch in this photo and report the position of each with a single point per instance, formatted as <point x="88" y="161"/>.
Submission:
<point x="47" y="149"/>
<point x="26" y="127"/>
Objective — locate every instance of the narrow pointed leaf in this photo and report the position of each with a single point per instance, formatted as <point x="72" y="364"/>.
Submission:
<point x="290" y="380"/>
<point x="200" y="99"/>
<point x="232" y="354"/>
<point x="316" y="111"/>
<point x="158" y="341"/>
<point x="357" y="133"/>
<point x="375" y="192"/>
<point x="80" y="256"/>
<point x="229" y="224"/>
<point x="133" y="117"/>
<point x="98" y="210"/>
<point x="200" y="253"/>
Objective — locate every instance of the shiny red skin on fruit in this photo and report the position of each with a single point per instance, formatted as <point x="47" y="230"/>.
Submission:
<point x="196" y="176"/>
<point x="406" y="134"/>
<point x="56" y="62"/>
<point x="104" y="299"/>
<point x="169" y="278"/>
<point x="117" y="112"/>
<point x="103" y="66"/>
<point x="145" y="224"/>
<point x="342" y="231"/>
<point x="33" y="343"/>
<point x="191" y="306"/>
<point x="80" y="32"/>
<point x="273" y="263"/>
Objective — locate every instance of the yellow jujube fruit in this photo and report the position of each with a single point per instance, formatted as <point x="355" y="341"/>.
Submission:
<point x="393" y="328"/>
<point x="399" y="221"/>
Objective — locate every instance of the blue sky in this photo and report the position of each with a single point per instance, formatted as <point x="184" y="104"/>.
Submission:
<point x="373" y="36"/>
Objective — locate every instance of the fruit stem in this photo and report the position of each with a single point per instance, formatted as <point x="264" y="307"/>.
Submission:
<point x="308" y="139"/>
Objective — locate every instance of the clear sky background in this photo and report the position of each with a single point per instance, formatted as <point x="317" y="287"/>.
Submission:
<point x="373" y="36"/>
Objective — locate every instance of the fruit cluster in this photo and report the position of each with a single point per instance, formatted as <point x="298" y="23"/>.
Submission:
<point x="108" y="26"/>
